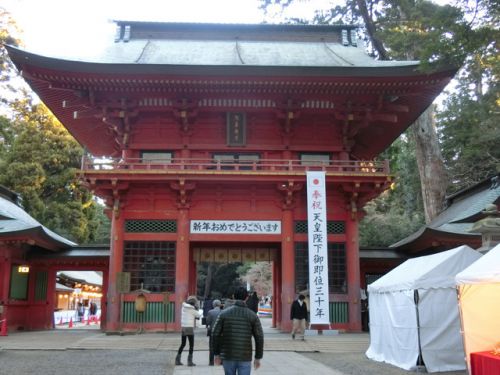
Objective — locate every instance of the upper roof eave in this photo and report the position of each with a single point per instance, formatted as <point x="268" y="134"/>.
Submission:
<point x="235" y="26"/>
<point x="21" y="57"/>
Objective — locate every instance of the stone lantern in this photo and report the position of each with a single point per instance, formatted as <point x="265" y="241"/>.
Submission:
<point x="489" y="227"/>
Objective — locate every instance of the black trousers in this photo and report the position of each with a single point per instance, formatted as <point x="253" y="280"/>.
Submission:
<point x="183" y="344"/>
<point x="211" y="350"/>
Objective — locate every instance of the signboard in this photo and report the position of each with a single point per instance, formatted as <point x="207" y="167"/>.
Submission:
<point x="235" y="227"/>
<point x="236" y="129"/>
<point x="123" y="282"/>
<point x="318" y="248"/>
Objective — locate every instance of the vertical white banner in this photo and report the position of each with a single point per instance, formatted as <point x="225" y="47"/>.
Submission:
<point x="318" y="248"/>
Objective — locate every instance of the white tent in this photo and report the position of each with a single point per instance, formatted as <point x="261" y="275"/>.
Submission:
<point x="414" y="313"/>
<point x="479" y="297"/>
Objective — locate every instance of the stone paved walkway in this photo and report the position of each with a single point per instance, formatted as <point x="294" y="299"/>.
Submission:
<point x="282" y="362"/>
<point x="281" y="353"/>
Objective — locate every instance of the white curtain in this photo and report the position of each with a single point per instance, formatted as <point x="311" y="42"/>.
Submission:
<point x="393" y="329"/>
<point x="440" y="337"/>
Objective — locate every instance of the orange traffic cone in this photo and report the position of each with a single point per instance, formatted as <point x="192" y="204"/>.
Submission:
<point x="60" y="321"/>
<point x="70" y="325"/>
<point x="3" y="330"/>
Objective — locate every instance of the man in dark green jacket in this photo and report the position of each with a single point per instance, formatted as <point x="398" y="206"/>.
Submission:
<point x="232" y="337"/>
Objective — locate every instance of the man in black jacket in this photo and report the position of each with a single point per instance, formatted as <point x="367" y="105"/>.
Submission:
<point x="232" y="337"/>
<point x="211" y="318"/>
<point x="298" y="314"/>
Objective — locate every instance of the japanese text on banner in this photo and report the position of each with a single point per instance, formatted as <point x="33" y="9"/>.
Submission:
<point x="318" y="248"/>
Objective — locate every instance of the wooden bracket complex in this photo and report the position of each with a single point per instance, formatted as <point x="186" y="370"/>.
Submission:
<point x="289" y="191"/>
<point x="184" y="190"/>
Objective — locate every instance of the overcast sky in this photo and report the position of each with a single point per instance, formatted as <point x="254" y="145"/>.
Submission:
<point x="83" y="28"/>
<point x="50" y="26"/>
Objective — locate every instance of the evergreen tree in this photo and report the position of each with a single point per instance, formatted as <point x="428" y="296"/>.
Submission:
<point x="439" y="36"/>
<point x="40" y="160"/>
<point x="218" y="280"/>
<point x="469" y="121"/>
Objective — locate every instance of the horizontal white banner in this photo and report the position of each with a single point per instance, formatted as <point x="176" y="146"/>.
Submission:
<point x="235" y="227"/>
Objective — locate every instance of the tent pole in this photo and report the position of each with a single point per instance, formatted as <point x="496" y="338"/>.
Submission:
<point x="462" y="331"/>
<point x="420" y="361"/>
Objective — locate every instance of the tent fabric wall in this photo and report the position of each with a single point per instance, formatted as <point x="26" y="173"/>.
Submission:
<point x="441" y="341"/>
<point x="393" y="329"/>
<point x="480" y="309"/>
<point x="394" y="332"/>
<point x="479" y="301"/>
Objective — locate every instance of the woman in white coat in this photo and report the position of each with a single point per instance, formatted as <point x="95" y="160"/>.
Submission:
<point x="189" y="314"/>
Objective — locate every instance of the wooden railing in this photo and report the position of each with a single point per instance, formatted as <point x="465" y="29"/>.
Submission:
<point x="262" y="165"/>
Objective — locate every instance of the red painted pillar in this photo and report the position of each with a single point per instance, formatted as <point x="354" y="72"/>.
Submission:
<point x="51" y="295"/>
<point x="277" y="298"/>
<point x="193" y="277"/>
<point x="181" y="264"/>
<point x="115" y="265"/>
<point x="104" y="299"/>
<point x="276" y="283"/>
<point x="5" y="268"/>
<point x="288" y="269"/>
<point x="353" y="278"/>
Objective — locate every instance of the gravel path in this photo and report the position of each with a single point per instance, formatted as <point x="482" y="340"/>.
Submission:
<point x="85" y="362"/>
<point x="358" y="364"/>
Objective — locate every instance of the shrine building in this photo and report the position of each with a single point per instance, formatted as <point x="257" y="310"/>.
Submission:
<point x="198" y="138"/>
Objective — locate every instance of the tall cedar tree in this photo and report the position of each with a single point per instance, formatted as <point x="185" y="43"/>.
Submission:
<point x="38" y="158"/>
<point x="40" y="162"/>
<point x="440" y="36"/>
<point x="469" y="123"/>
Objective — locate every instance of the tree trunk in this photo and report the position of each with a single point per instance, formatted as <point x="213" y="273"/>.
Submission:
<point x="208" y="280"/>
<point x="433" y="178"/>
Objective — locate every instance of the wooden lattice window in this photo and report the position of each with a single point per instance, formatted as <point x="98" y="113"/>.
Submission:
<point x="151" y="265"/>
<point x="150" y="226"/>
<point x="332" y="226"/>
<point x="337" y="272"/>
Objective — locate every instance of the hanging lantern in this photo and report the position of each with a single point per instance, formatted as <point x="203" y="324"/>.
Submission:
<point x="140" y="303"/>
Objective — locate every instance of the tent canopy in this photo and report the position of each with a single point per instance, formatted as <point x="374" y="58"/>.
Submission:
<point x="427" y="272"/>
<point x="483" y="271"/>
<point x="479" y="288"/>
<point x="401" y="329"/>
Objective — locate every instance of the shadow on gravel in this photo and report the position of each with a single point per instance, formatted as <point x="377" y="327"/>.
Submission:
<point x="358" y="364"/>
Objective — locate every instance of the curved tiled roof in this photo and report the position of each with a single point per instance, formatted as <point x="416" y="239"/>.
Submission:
<point x="14" y="220"/>
<point x="458" y="217"/>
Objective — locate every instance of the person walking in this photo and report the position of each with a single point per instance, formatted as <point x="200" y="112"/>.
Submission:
<point x="189" y="314"/>
<point x="232" y="337"/>
<point x="253" y="302"/>
<point x="210" y="320"/>
<point x="298" y="315"/>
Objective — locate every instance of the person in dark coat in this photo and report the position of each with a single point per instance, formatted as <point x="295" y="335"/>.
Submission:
<point x="232" y="337"/>
<point x="253" y="302"/>
<point x="298" y="314"/>
<point x="210" y="320"/>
